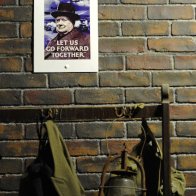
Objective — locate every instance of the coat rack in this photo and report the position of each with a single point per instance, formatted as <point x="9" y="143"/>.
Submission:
<point x="90" y="113"/>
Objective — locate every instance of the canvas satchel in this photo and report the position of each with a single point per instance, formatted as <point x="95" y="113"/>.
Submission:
<point x="52" y="173"/>
<point x="152" y="161"/>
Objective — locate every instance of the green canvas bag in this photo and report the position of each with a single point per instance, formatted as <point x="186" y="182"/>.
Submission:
<point x="52" y="173"/>
<point x="65" y="179"/>
<point x="151" y="155"/>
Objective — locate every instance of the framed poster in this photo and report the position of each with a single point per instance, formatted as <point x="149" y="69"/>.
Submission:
<point x="65" y="36"/>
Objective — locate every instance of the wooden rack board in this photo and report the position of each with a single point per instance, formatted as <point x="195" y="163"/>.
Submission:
<point x="29" y="115"/>
<point x="90" y="113"/>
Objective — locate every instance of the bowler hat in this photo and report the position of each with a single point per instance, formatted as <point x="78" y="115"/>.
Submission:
<point x="66" y="9"/>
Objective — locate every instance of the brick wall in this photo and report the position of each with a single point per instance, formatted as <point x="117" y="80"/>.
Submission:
<point x="142" y="44"/>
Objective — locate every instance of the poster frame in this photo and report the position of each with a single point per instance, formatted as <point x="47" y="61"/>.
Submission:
<point x="83" y="64"/>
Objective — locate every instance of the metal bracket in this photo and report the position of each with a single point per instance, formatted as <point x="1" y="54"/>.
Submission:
<point x="49" y="114"/>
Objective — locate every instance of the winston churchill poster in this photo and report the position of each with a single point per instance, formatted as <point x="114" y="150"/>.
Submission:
<point x="65" y="34"/>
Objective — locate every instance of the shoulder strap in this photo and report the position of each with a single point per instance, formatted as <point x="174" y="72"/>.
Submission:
<point x="63" y="168"/>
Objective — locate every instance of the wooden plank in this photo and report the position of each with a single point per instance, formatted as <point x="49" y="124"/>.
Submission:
<point x="28" y="115"/>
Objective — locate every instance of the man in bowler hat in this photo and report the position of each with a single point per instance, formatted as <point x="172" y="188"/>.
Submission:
<point x="69" y="43"/>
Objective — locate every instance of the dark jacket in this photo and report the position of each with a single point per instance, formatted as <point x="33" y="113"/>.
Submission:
<point x="74" y="45"/>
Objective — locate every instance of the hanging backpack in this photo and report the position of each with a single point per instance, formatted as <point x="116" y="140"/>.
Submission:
<point x="152" y="161"/>
<point x="52" y="172"/>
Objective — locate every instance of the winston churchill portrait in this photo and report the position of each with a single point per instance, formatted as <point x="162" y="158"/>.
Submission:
<point x="70" y="42"/>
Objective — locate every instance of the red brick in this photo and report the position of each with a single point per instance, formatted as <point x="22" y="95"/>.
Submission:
<point x="26" y="29"/>
<point x="171" y="12"/>
<point x="13" y="64"/>
<point x="100" y="130"/>
<point x="145" y="28"/>
<point x="98" y="96"/>
<point x="108" y="2"/>
<point x="8" y="30"/>
<point x="14" y="14"/>
<point x="185" y="62"/>
<point x="7" y="2"/>
<point x="10" y="97"/>
<point x="184" y="28"/>
<point x="190" y="179"/>
<point x="82" y="147"/>
<point x="120" y="79"/>
<point x="26" y="2"/>
<point x="121" y="45"/>
<point x="116" y="146"/>
<point x="15" y="46"/>
<point x="28" y="64"/>
<point x="18" y="148"/>
<point x="121" y="12"/>
<point x="47" y="97"/>
<point x="72" y="79"/>
<point x="9" y="166"/>
<point x="187" y="95"/>
<point x="174" y="78"/>
<point x="186" y="162"/>
<point x="181" y="146"/>
<point x="183" y="1"/>
<point x="112" y="26"/>
<point x="111" y="63"/>
<point x="90" y="164"/>
<point x="143" y="95"/>
<point x="146" y="2"/>
<point x="11" y="132"/>
<point x="172" y="45"/>
<point x="186" y="129"/>
<point x="149" y="62"/>
<point x="183" y="112"/>
<point x="66" y="130"/>
<point x="17" y="81"/>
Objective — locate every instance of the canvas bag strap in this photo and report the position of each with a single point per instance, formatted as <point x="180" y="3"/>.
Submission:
<point x="65" y="178"/>
<point x="61" y="157"/>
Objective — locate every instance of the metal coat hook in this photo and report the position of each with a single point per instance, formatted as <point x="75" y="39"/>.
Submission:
<point x="119" y="113"/>
<point x="49" y="114"/>
<point x="122" y="112"/>
<point x="128" y="112"/>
